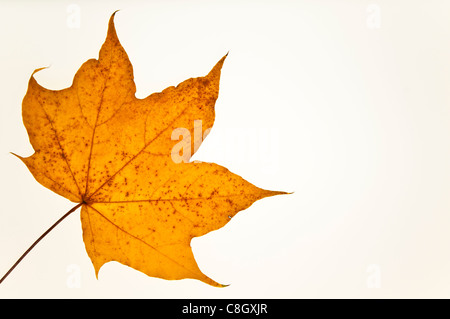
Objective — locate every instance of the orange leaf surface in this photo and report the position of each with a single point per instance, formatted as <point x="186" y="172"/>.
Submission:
<point x="98" y="145"/>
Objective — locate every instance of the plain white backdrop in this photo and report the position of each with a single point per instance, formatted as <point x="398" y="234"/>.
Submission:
<point x="345" y="103"/>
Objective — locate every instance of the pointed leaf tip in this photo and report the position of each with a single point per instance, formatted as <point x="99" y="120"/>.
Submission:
<point x="111" y="26"/>
<point x="18" y="156"/>
<point x="218" y="67"/>
<point x="111" y="19"/>
<point x="274" y="193"/>
<point x="39" y="69"/>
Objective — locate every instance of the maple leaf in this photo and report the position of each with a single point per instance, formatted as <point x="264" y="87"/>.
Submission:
<point x="98" y="145"/>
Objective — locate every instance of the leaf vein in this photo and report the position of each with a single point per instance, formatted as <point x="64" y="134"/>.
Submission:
<point x="141" y="240"/>
<point x="60" y="146"/>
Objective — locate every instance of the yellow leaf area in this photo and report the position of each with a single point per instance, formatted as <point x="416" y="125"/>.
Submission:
<point x="98" y="145"/>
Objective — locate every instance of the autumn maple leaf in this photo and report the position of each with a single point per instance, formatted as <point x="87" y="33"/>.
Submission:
<point x="115" y="155"/>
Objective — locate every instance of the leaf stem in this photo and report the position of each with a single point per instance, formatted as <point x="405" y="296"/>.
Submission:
<point x="39" y="239"/>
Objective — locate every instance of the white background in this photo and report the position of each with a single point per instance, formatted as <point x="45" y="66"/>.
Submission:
<point x="345" y="103"/>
